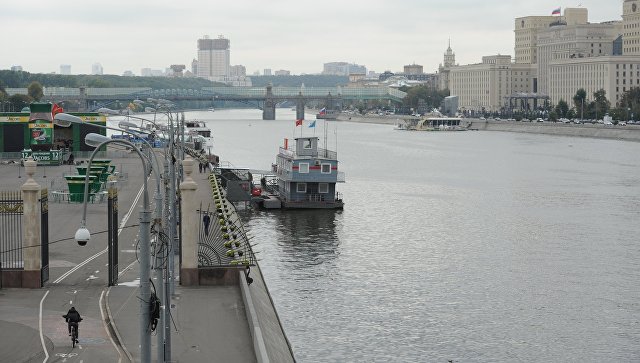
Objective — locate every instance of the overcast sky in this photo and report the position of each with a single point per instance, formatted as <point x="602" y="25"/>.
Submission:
<point x="296" y="35"/>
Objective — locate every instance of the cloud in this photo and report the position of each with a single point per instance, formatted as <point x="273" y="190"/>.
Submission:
<point x="281" y="34"/>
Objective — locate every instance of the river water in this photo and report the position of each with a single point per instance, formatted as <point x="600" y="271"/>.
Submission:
<point x="467" y="246"/>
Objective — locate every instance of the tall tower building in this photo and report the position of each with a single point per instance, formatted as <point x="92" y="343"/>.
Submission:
<point x="449" y="57"/>
<point x="214" y="58"/>
<point x="526" y="32"/>
<point x="630" y="27"/>
<point x="444" y="69"/>
<point x="65" y="69"/>
<point x="96" y="69"/>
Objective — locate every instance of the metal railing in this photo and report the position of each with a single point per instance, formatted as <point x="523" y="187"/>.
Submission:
<point x="11" y="211"/>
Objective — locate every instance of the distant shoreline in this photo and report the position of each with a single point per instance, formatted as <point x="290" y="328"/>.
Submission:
<point x="625" y="133"/>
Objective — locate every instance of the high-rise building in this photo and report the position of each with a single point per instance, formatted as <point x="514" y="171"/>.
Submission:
<point x="214" y="58"/>
<point x="16" y="68"/>
<point x="282" y="72"/>
<point x="443" y="69"/>
<point x="266" y="72"/>
<point x="194" y="67"/>
<point x="96" y="69"/>
<point x="343" y="69"/>
<point x="631" y="27"/>
<point x="238" y="71"/>
<point x="413" y="69"/>
<point x="65" y="69"/>
<point x="526" y="37"/>
<point x="484" y="86"/>
<point x="561" y="41"/>
<point x="148" y="72"/>
<point x="614" y="74"/>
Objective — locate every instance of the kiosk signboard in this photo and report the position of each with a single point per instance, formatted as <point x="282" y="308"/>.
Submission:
<point x="52" y="157"/>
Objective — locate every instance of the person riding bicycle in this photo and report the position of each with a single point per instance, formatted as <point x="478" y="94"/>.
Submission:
<point x="73" y="318"/>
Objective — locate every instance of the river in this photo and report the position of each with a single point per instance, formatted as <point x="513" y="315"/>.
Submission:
<point x="463" y="246"/>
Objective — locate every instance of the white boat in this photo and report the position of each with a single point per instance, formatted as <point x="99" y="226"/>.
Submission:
<point x="197" y="127"/>
<point x="211" y="109"/>
<point x="435" y="122"/>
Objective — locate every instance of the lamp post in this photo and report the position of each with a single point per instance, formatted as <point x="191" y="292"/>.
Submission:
<point x="164" y="339"/>
<point x="83" y="235"/>
<point x="65" y="120"/>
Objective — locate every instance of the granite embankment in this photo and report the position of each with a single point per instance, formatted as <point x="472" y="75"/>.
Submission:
<point x="627" y="133"/>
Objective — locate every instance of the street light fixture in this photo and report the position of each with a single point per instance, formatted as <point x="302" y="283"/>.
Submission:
<point x="100" y="141"/>
<point x="164" y="337"/>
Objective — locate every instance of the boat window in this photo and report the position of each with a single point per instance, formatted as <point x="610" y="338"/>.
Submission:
<point x="303" y="168"/>
<point x="323" y="188"/>
<point x="301" y="187"/>
<point x="326" y="169"/>
<point x="307" y="144"/>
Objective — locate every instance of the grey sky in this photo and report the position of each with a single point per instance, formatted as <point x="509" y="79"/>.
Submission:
<point x="299" y="36"/>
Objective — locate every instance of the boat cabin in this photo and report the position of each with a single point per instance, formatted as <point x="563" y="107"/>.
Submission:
<point x="307" y="175"/>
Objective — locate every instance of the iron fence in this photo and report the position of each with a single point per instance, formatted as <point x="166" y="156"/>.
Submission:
<point x="11" y="211"/>
<point x="222" y="240"/>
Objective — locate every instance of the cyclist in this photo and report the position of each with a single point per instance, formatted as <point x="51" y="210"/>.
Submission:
<point x="73" y="318"/>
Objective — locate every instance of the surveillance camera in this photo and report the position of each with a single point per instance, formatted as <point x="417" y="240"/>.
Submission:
<point x="82" y="236"/>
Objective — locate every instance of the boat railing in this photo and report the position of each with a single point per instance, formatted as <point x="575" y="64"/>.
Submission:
<point x="321" y="153"/>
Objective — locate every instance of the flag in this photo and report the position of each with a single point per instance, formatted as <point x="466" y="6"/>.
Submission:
<point x="56" y="109"/>
<point x="556" y="11"/>
<point x="299" y="122"/>
<point x="313" y="124"/>
<point x="323" y="111"/>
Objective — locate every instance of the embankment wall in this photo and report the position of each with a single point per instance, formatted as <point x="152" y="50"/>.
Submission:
<point x="627" y="133"/>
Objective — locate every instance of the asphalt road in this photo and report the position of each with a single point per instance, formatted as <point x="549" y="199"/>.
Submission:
<point x="78" y="277"/>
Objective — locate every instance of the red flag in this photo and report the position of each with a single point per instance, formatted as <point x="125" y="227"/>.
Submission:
<point x="299" y="122"/>
<point x="56" y="109"/>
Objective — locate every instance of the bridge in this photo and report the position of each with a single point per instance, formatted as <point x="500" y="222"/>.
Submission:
<point x="265" y="98"/>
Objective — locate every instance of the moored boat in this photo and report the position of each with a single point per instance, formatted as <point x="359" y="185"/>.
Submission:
<point x="435" y="122"/>
<point x="305" y="177"/>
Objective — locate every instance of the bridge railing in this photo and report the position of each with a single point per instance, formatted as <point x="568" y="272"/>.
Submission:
<point x="249" y="92"/>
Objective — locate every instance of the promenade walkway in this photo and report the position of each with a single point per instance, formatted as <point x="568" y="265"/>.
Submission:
<point x="209" y="322"/>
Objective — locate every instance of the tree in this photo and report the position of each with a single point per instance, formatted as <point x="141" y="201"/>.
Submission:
<point x="18" y="102"/>
<point x="579" y="100"/>
<point x="35" y="91"/>
<point x="562" y="108"/>
<point x="630" y="99"/>
<point x="602" y="105"/>
<point x="432" y="98"/>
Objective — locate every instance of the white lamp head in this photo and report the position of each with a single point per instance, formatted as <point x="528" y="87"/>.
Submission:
<point x="95" y="140"/>
<point x="65" y="120"/>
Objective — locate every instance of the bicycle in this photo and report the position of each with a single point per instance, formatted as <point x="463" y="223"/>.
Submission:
<point x="74" y="330"/>
<point x="74" y="334"/>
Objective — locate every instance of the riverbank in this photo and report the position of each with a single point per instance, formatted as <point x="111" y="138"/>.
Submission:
<point x="599" y="131"/>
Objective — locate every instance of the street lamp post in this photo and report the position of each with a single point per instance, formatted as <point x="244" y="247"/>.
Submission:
<point x="66" y="120"/>
<point x="164" y="340"/>
<point x="145" y="225"/>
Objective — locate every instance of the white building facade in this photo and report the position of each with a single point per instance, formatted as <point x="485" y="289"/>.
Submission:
<point x="482" y="86"/>
<point x="615" y="74"/>
<point x="96" y="69"/>
<point x="631" y="27"/>
<point x="572" y="42"/>
<point x="214" y="58"/>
